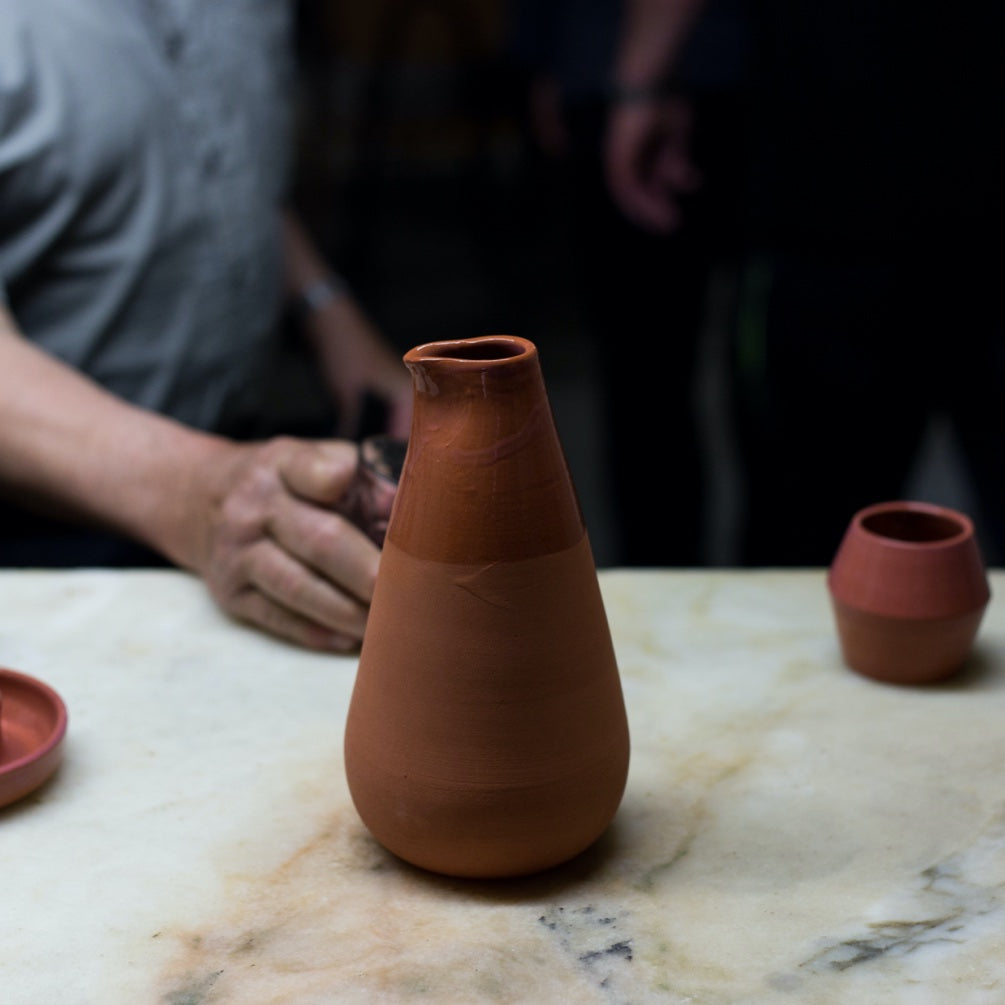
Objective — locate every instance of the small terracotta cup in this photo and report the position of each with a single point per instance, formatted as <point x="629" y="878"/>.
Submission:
<point x="908" y="589"/>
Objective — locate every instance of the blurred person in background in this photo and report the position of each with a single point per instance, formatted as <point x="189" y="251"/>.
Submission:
<point x="643" y="278"/>
<point x="868" y="302"/>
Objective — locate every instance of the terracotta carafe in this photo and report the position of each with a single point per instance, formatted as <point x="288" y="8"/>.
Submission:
<point x="486" y="734"/>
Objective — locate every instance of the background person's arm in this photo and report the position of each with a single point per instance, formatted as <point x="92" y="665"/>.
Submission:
<point x="648" y="160"/>
<point x="354" y="357"/>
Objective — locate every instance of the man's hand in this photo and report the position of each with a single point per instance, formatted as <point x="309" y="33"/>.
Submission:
<point x="258" y="522"/>
<point x="278" y="555"/>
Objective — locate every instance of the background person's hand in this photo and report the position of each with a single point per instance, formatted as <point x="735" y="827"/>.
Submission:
<point x="648" y="160"/>
<point x="276" y="552"/>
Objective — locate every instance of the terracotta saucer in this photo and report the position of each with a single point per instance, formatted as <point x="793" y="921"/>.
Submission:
<point x="32" y="726"/>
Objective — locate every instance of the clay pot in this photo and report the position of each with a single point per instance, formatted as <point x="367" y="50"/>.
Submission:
<point x="33" y="722"/>
<point x="486" y="734"/>
<point x="908" y="588"/>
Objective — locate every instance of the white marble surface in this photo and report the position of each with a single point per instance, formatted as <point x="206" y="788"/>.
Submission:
<point x="791" y="833"/>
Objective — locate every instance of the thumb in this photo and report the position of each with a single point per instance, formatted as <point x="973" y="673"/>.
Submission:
<point x="320" y="472"/>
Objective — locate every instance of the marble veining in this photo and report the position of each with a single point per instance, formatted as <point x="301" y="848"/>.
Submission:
<point x="939" y="910"/>
<point x="791" y="833"/>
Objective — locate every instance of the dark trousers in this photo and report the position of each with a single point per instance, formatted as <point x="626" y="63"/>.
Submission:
<point x="644" y="299"/>
<point x="843" y="357"/>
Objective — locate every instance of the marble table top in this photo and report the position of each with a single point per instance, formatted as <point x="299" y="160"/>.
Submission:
<point x="791" y="832"/>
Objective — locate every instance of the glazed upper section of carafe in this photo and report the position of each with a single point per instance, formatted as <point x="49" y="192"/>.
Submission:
<point x="485" y="478"/>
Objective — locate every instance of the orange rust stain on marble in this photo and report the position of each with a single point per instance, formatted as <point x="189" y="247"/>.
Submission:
<point x="342" y="917"/>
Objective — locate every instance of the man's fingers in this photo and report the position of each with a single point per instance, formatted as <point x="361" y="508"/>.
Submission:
<point x="260" y="610"/>
<point x="280" y="573"/>
<point x="328" y="544"/>
<point x="284" y="596"/>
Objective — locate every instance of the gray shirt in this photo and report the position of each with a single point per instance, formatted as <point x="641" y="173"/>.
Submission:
<point x="143" y="156"/>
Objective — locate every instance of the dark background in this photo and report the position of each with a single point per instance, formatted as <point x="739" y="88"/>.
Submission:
<point x="419" y="178"/>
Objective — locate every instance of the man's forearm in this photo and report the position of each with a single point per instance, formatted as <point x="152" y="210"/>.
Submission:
<point x="67" y="443"/>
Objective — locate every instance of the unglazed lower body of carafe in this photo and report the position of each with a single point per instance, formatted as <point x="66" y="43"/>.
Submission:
<point x="487" y="734"/>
